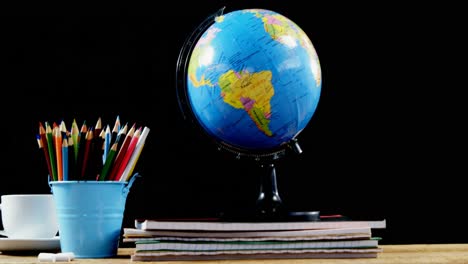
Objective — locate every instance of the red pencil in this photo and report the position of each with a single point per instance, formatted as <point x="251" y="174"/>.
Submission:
<point x="97" y="128"/>
<point x="121" y="153"/>
<point x="128" y="154"/>
<point x="87" y="150"/>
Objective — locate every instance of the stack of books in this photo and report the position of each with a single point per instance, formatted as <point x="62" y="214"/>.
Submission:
<point x="210" y="239"/>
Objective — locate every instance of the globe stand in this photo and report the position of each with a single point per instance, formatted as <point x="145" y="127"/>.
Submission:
<point x="269" y="202"/>
<point x="269" y="206"/>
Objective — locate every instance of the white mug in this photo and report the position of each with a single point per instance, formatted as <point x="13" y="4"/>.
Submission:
<point x="28" y="216"/>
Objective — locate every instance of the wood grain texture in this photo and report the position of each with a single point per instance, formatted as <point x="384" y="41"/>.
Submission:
<point x="392" y="254"/>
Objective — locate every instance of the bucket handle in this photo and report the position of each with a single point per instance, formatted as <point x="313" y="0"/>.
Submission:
<point x="48" y="182"/>
<point x="126" y="190"/>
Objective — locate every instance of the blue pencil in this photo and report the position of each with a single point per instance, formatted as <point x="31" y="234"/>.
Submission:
<point x="107" y="142"/>
<point x="65" y="159"/>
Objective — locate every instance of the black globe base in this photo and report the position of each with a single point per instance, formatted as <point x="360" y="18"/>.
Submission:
<point x="269" y="206"/>
<point x="251" y="216"/>
<point x="303" y="216"/>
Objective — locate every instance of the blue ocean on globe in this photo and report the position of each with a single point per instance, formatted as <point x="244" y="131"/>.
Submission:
<point x="253" y="79"/>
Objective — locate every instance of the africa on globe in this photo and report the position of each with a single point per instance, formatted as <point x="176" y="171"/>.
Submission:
<point x="253" y="79"/>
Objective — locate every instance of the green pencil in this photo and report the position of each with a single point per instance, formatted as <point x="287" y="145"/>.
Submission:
<point x="108" y="163"/>
<point x="75" y="134"/>
<point x="50" y="146"/>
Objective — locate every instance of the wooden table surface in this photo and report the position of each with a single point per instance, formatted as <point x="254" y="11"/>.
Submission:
<point x="392" y="254"/>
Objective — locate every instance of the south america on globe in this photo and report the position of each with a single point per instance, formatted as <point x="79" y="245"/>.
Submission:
<point x="253" y="79"/>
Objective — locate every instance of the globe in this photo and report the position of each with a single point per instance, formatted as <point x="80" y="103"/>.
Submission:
<point x="253" y="79"/>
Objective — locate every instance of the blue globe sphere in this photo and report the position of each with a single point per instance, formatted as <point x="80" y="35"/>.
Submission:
<point x="253" y="79"/>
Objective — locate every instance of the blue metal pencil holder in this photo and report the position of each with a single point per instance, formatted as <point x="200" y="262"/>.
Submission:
<point x="90" y="215"/>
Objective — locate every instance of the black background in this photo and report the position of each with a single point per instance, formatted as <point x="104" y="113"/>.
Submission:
<point x="386" y="141"/>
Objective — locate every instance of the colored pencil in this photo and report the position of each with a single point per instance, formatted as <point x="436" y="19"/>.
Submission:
<point x="128" y="154"/>
<point x="109" y="161"/>
<point x="86" y="154"/>
<point x="107" y="143"/>
<point x="121" y="153"/>
<point x="97" y="128"/>
<point x="63" y="129"/>
<point x="43" y="140"/>
<point x="115" y="131"/>
<point x="58" y="153"/>
<point x="41" y="147"/>
<point x="94" y="153"/>
<point x="75" y="134"/>
<point x="65" y="159"/>
<point x="50" y="146"/>
<point x="98" y="150"/>
<point x="127" y="173"/>
<point x="81" y="150"/>
<point x="71" y="159"/>
<point x="121" y="136"/>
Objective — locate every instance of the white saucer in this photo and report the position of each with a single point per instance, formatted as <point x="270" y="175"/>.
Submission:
<point x="32" y="244"/>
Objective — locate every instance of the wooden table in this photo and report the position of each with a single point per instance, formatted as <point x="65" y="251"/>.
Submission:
<point x="392" y="254"/>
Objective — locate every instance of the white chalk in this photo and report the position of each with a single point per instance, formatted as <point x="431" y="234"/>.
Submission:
<point x="56" y="257"/>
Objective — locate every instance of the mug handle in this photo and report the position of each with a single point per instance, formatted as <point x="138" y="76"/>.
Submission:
<point x="2" y="232"/>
